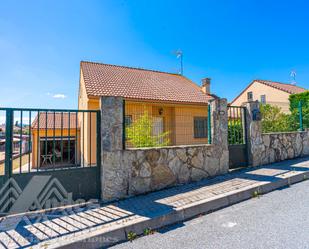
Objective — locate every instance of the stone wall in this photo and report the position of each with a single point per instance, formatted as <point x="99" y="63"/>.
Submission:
<point x="273" y="147"/>
<point x="281" y="146"/>
<point x="135" y="171"/>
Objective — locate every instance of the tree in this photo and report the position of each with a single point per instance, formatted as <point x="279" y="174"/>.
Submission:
<point x="139" y="133"/>
<point x="273" y="120"/>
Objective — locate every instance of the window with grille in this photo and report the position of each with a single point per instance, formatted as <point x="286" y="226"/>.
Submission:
<point x="200" y="127"/>
<point x="250" y="96"/>
<point x="263" y="99"/>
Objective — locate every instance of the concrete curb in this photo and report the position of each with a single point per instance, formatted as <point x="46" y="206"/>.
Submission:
<point x="99" y="237"/>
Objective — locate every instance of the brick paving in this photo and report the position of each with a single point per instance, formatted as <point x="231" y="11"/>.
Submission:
<point x="47" y="229"/>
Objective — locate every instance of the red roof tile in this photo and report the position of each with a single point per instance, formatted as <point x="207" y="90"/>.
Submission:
<point x="135" y="83"/>
<point x="292" y="89"/>
<point x="59" y="119"/>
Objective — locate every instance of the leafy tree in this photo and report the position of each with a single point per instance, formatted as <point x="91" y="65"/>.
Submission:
<point x="139" y="133"/>
<point x="273" y="120"/>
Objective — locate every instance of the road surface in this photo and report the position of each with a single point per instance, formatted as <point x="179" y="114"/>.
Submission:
<point x="279" y="219"/>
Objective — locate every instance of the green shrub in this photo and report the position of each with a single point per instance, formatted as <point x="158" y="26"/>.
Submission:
<point x="274" y="120"/>
<point x="294" y="108"/>
<point x="139" y="133"/>
<point x="295" y="98"/>
<point x="235" y="132"/>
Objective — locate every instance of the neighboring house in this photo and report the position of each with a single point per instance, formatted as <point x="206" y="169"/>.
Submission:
<point x="55" y="135"/>
<point x="268" y="92"/>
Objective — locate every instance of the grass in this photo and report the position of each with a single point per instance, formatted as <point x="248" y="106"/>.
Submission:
<point x="16" y="163"/>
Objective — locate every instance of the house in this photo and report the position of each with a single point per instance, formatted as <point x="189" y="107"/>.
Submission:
<point x="268" y="92"/>
<point x="55" y="139"/>
<point x="176" y="107"/>
<point x="175" y="104"/>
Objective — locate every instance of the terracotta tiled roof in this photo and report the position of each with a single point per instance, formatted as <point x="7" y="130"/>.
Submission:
<point x="283" y="86"/>
<point x="58" y="120"/>
<point x="135" y="83"/>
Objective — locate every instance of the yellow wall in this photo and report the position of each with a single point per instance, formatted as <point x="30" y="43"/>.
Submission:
<point x="50" y="133"/>
<point x="88" y="135"/>
<point x="273" y="96"/>
<point x="184" y="129"/>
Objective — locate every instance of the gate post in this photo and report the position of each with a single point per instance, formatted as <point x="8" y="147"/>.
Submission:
<point x="114" y="179"/>
<point x="8" y="143"/>
<point x="254" y="133"/>
<point x="219" y="132"/>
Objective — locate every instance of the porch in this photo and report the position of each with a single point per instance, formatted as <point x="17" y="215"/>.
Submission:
<point x="158" y="124"/>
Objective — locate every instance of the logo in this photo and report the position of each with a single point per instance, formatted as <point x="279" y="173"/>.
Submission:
<point x="41" y="192"/>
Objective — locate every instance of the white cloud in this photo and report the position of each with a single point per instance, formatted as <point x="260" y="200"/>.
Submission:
<point x="59" y="96"/>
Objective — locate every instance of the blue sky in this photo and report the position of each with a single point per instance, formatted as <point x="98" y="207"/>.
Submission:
<point x="233" y="42"/>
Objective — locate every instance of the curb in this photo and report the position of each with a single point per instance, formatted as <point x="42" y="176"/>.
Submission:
<point x="102" y="237"/>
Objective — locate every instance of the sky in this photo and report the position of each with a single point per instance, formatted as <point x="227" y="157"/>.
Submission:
<point x="232" y="42"/>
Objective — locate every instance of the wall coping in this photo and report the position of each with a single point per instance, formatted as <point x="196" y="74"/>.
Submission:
<point x="285" y="132"/>
<point x="170" y="147"/>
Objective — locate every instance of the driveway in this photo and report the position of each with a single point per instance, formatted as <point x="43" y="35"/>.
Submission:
<point x="279" y="219"/>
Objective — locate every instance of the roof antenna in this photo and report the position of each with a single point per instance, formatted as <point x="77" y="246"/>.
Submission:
<point x="179" y="55"/>
<point x="293" y="77"/>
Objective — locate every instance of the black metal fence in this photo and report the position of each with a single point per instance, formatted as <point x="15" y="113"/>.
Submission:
<point x="157" y="125"/>
<point x="47" y="139"/>
<point x="236" y="125"/>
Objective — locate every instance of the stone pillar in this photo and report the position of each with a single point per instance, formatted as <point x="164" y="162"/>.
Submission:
<point x="114" y="177"/>
<point x="254" y="134"/>
<point x="112" y="127"/>
<point x="219" y="130"/>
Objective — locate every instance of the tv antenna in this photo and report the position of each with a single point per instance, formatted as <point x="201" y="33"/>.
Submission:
<point x="293" y="77"/>
<point x="179" y="55"/>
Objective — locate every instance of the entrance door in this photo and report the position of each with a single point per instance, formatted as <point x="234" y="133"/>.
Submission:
<point x="237" y="137"/>
<point x="158" y="128"/>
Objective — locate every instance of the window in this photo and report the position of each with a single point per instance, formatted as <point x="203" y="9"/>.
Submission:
<point x="263" y="99"/>
<point x="250" y="96"/>
<point x="128" y="120"/>
<point x="200" y="127"/>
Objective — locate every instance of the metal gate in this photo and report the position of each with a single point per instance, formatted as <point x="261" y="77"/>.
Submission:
<point x="48" y="158"/>
<point x="237" y="137"/>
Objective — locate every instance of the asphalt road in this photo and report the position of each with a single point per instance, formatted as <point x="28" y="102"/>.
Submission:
<point x="279" y="219"/>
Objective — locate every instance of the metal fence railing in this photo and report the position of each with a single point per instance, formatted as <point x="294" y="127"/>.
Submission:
<point x="159" y="125"/>
<point x="35" y="140"/>
<point x="300" y="115"/>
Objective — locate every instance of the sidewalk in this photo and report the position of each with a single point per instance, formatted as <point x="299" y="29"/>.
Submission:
<point x="99" y="226"/>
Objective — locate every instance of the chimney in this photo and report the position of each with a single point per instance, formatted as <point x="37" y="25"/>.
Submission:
<point x="206" y="85"/>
